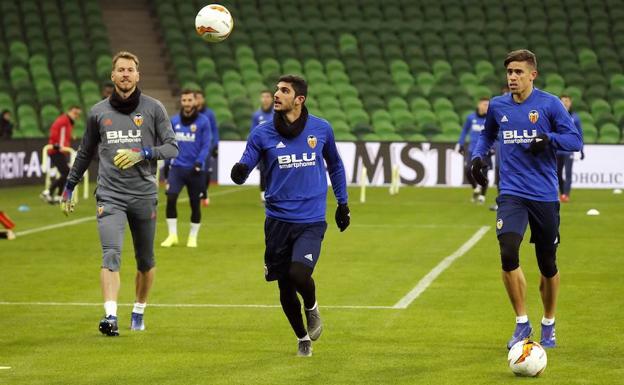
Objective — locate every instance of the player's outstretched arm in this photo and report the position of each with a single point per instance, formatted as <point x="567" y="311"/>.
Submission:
<point x="85" y="153"/>
<point x="250" y="158"/>
<point x="488" y="135"/>
<point x="336" y="171"/>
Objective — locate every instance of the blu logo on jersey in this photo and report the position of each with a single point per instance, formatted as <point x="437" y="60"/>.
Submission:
<point x="515" y="136"/>
<point x="119" y="136"/>
<point x="185" y="136"/>
<point x="293" y="161"/>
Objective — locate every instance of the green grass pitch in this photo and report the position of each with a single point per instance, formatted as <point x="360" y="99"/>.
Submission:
<point x="454" y="333"/>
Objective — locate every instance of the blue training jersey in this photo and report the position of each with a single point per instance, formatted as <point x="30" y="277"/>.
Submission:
<point x="474" y="125"/>
<point x="577" y="124"/>
<point x="259" y="116"/>
<point x="515" y="125"/>
<point x="193" y="141"/>
<point x="296" y="177"/>
<point x="214" y="129"/>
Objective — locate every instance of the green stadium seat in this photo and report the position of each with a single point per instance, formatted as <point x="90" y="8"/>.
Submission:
<point x="609" y="134"/>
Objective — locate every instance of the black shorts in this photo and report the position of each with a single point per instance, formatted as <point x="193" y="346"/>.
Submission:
<point x="514" y="213"/>
<point x="288" y="242"/>
<point x="180" y="177"/>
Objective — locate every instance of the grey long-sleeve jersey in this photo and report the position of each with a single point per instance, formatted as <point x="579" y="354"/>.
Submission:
<point x="108" y="131"/>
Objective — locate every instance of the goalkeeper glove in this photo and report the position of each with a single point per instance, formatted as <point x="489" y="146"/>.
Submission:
<point x="343" y="216"/>
<point x="67" y="200"/>
<point x="239" y="173"/>
<point x="128" y="157"/>
<point x="539" y="144"/>
<point x="479" y="170"/>
<point x="197" y="167"/>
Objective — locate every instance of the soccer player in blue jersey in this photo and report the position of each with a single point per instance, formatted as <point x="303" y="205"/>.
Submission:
<point x="473" y="127"/>
<point x="261" y="115"/>
<point x="192" y="132"/>
<point x="565" y="159"/>
<point x="293" y="148"/>
<point x="531" y="125"/>
<point x="214" y="142"/>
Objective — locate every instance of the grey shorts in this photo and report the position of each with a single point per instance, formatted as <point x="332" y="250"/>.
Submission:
<point x="112" y="215"/>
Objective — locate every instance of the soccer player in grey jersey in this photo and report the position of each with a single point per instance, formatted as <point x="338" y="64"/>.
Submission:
<point x="131" y="132"/>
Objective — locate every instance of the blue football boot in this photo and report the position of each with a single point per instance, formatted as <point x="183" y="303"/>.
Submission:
<point x="548" y="336"/>
<point x="136" y="322"/>
<point x="523" y="330"/>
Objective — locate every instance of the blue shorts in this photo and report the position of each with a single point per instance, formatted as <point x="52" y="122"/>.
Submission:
<point x="514" y="213"/>
<point x="290" y="242"/>
<point x="180" y="177"/>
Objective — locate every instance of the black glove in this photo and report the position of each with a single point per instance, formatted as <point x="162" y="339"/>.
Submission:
<point x="239" y="173"/>
<point x="343" y="216"/>
<point x="539" y="144"/>
<point x="460" y="148"/>
<point x="479" y="170"/>
<point x="582" y="155"/>
<point x="215" y="152"/>
<point x="197" y="167"/>
<point x="56" y="146"/>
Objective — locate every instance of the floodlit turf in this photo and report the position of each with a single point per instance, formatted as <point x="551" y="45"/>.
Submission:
<point x="454" y="333"/>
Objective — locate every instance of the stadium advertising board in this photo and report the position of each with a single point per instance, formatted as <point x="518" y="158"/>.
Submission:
<point x="419" y="164"/>
<point x="434" y="164"/>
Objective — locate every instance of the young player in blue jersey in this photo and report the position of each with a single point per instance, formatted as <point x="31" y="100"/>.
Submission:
<point x="261" y="115"/>
<point x="192" y="132"/>
<point x="293" y="148"/>
<point x="473" y="127"/>
<point x="531" y="125"/>
<point x="214" y="142"/>
<point x="565" y="159"/>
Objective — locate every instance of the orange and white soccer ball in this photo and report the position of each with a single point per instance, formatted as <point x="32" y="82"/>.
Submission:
<point x="214" y="23"/>
<point x="527" y="358"/>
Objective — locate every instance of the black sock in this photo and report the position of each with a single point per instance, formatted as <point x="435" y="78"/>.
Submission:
<point x="291" y="306"/>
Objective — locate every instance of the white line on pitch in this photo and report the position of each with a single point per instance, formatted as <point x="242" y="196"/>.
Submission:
<point x="87" y="219"/>
<point x="55" y="226"/>
<point x="185" y="305"/>
<point x="5" y="367"/>
<point x="424" y="283"/>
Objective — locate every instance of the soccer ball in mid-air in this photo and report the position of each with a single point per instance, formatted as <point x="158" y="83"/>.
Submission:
<point x="527" y="358"/>
<point x="214" y="23"/>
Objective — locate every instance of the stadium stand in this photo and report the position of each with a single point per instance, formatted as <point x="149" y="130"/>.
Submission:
<point x="45" y="70"/>
<point x="419" y="77"/>
<point x="397" y="70"/>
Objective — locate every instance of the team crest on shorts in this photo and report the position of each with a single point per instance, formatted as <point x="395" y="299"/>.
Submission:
<point x="138" y="119"/>
<point x="193" y="127"/>
<point x="312" y="141"/>
<point x="533" y="116"/>
<point x="499" y="224"/>
<point x="100" y="210"/>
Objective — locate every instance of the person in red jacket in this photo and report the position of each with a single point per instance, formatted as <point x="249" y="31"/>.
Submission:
<point x="60" y="137"/>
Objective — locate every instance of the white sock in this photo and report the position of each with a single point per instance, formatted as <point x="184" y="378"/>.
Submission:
<point x="172" y="224"/>
<point x="313" y="307"/>
<point x="522" y="319"/>
<point x="194" y="229"/>
<point x="110" y="308"/>
<point x="139" y="307"/>
<point x="305" y="338"/>
<point x="548" y="321"/>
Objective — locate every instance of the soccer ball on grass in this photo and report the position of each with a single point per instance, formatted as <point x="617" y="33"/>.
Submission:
<point x="527" y="358"/>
